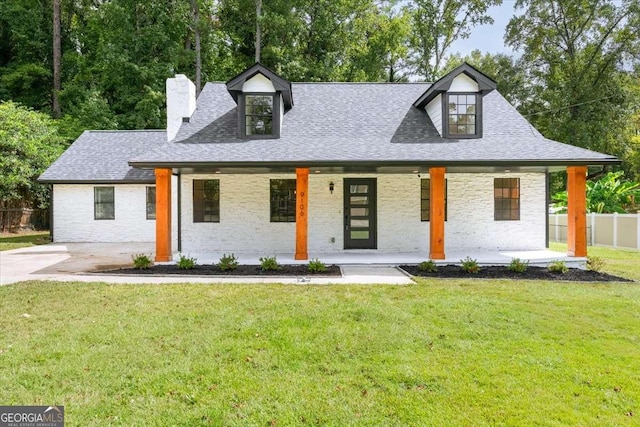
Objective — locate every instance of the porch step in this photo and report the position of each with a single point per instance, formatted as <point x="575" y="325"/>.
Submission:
<point x="361" y="273"/>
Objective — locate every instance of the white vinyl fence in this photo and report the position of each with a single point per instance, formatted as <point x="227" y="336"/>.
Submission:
<point x="616" y="230"/>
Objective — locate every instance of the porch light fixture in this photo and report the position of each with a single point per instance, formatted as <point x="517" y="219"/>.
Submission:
<point x="331" y="187"/>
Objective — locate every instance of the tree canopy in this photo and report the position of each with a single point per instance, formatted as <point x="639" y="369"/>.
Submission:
<point x="29" y="142"/>
<point x="575" y="77"/>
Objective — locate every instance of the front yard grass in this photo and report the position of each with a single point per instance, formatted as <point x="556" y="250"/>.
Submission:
<point x="619" y="262"/>
<point x="454" y="352"/>
<point x="10" y="241"/>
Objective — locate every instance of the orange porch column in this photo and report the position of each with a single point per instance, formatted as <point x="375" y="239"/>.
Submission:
<point x="436" y="213"/>
<point x="302" y="203"/>
<point x="577" y="211"/>
<point x="163" y="215"/>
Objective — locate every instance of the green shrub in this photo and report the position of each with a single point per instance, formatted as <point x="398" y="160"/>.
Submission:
<point x="317" y="266"/>
<point x="141" y="262"/>
<point x="228" y="262"/>
<point x="428" y="266"/>
<point x="269" y="263"/>
<point x="186" y="263"/>
<point x="518" y="266"/>
<point x="470" y="265"/>
<point x="595" y="263"/>
<point x="558" y="266"/>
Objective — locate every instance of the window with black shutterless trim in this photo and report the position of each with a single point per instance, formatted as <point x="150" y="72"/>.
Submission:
<point x="206" y="200"/>
<point x="463" y="115"/>
<point x="506" y="199"/>
<point x="283" y="200"/>
<point x="425" y="199"/>
<point x="259" y="115"/>
<point x="151" y="202"/>
<point x="104" y="203"/>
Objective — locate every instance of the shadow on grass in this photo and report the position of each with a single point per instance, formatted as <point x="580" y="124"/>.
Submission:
<point x="15" y="241"/>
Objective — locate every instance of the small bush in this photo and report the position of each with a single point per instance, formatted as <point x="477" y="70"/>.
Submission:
<point x="518" y="266"/>
<point x="470" y="265"/>
<point x="186" y="263"/>
<point x="595" y="263"/>
<point x="317" y="266"/>
<point x="141" y="262"/>
<point x="269" y="263"/>
<point x="228" y="262"/>
<point x="558" y="266"/>
<point x="428" y="267"/>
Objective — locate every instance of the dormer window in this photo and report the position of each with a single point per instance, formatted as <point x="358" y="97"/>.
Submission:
<point x="263" y="98"/>
<point x="259" y="117"/>
<point x="454" y="102"/>
<point x="463" y="111"/>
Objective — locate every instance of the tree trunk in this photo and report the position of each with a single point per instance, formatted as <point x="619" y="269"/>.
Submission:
<point x="56" y="58"/>
<point x="258" y="29"/>
<point x="196" y="35"/>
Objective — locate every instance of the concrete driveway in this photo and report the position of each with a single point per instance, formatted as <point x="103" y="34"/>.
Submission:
<point x="54" y="260"/>
<point x="72" y="262"/>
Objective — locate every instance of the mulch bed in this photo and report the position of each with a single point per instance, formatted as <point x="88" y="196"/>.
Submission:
<point x="242" y="270"/>
<point x="532" y="273"/>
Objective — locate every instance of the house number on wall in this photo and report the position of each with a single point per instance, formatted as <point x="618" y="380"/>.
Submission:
<point x="301" y="207"/>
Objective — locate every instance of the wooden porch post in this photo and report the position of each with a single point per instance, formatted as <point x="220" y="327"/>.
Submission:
<point x="302" y="203"/>
<point x="436" y="213"/>
<point x="577" y="211"/>
<point x="163" y="215"/>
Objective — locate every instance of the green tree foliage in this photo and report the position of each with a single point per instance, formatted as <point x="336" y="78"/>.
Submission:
<point x="577" y="55"/>
<point x="609" y="194"/>
<point x="339" y="40"/>
<point x="25" y="52"/>
<point x="29" y="143"/>
<point x="573" y="81"/>
<point x="439" y="23"/>
<point x="509" y="73"/>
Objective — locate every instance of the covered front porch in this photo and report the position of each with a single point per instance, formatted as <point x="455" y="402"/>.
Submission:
<point x="465" y="220"/>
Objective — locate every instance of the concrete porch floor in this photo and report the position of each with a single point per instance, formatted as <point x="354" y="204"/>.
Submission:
<point x="372" y="257"/>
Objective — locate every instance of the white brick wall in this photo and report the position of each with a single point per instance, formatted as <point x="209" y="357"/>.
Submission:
<point x="74" y="217"/>
<point x="245" y="226"/>
<point x="470" y="223"/>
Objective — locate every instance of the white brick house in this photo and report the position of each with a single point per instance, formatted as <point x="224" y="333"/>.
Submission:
<point x="387" y="168"/>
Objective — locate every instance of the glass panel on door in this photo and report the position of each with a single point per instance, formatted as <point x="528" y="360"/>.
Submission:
<point x="360" y="213"/>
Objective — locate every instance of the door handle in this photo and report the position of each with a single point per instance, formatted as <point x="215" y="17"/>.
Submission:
<point x="346" y="222"/>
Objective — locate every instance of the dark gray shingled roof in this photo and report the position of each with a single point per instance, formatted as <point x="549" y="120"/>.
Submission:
<point x="102" y="156"/>
<point x="331" y="124"/>
<point x="338" y="123"/>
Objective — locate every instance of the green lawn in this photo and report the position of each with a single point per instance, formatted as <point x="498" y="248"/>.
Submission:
<point x="441" y="353"/>
<point x="620" y="262"/>
<point x="10" y="241"/>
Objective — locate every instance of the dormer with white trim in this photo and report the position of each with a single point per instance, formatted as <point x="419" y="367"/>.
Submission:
<point x="454" y="102"/>
<point x="262" y="98"/>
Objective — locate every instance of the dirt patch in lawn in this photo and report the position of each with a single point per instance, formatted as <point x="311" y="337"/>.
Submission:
<point x="532" y="273"/>
<point x="214" y="270"/>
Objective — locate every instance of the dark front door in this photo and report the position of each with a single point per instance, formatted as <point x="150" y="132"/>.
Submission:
<point x="360" y="213"/>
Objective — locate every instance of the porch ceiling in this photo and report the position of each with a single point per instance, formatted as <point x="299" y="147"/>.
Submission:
<point x="359" y="169"/>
